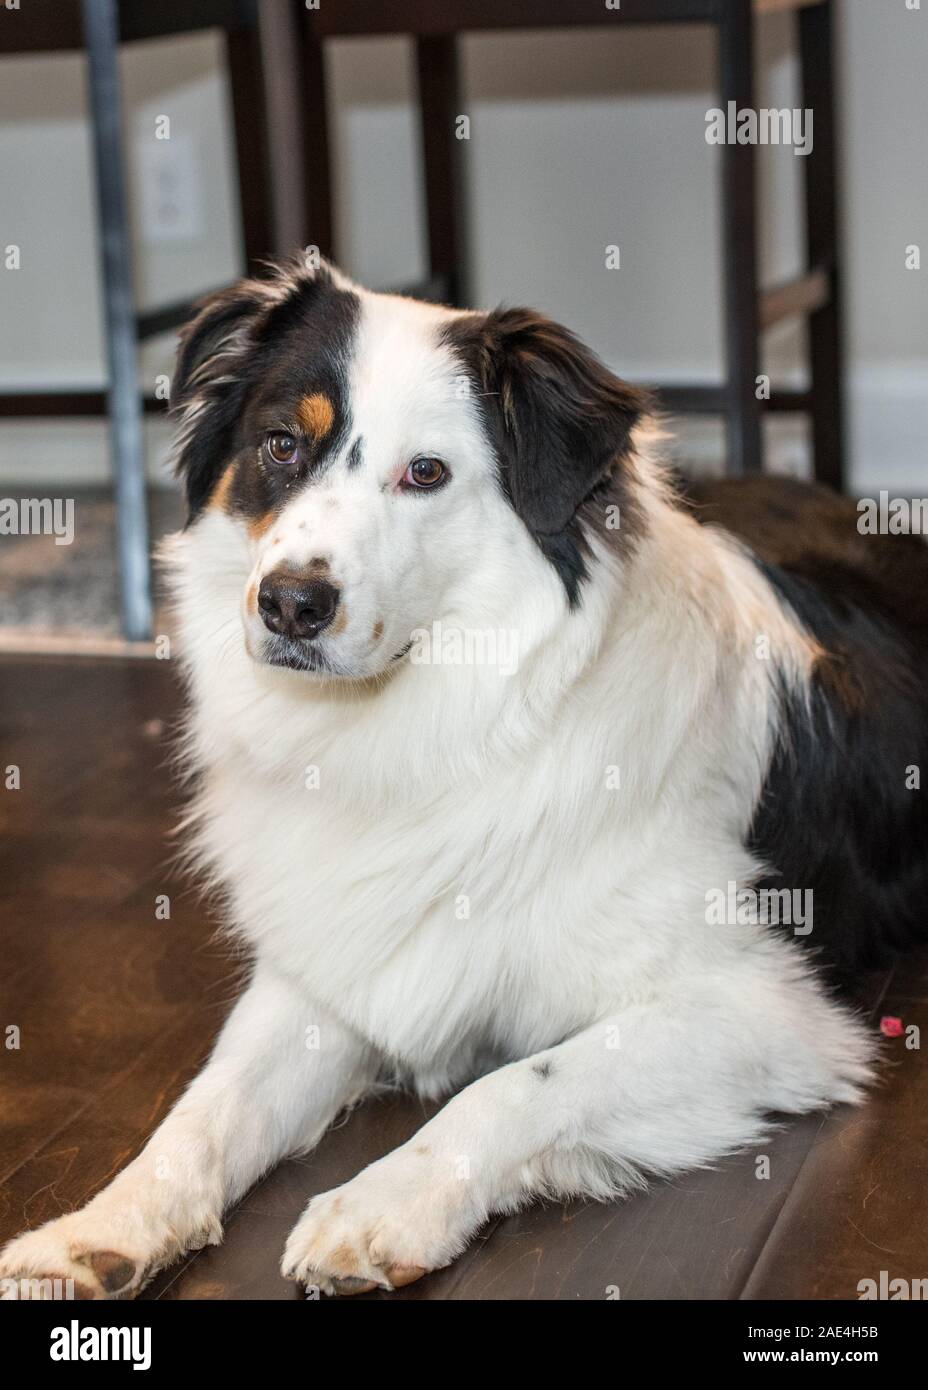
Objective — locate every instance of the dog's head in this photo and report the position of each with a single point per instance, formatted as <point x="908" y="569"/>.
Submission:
<point x="370" y="450"/>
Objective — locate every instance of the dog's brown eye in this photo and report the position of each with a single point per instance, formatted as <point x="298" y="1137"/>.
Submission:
<point x="425" y="473"/>
<point x="281" y="447"/>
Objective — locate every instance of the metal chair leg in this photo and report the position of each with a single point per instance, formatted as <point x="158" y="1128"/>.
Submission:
<point x="125" y="407"/>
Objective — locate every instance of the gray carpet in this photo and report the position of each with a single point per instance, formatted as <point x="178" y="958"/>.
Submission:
<point x="60" y="591"/>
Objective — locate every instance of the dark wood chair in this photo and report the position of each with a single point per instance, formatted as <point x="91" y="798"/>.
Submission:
<point x="748" y="310"/>
<point x="295" y="37"/>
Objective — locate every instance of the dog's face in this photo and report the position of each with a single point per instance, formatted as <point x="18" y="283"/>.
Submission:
<point x="371" y="448"/>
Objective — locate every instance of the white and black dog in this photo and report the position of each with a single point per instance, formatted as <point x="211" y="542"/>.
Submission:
<point x="502" y="878"/>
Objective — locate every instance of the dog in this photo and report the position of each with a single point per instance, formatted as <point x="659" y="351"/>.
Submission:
<point x="540" y="886"/>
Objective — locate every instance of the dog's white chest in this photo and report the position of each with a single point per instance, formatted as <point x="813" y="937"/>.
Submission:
<point x="435" y="943"/>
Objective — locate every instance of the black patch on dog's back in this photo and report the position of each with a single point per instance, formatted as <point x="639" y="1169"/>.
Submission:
<point x="835" y="814"/>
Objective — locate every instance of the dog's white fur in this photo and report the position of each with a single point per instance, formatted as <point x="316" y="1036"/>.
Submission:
<point x="463" y="891"/>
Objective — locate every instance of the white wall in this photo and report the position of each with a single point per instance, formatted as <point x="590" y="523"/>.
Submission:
<point x="578" y="140"/>
<point x="884" y="59"/>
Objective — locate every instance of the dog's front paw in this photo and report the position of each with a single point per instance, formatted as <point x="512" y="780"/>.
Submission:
<point x="104" y="1251"/>
<point x="59" y="1261"/>
<point x="399" y="1219"/>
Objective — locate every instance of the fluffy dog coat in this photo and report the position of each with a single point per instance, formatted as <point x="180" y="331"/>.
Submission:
<point x="494" y="879"/>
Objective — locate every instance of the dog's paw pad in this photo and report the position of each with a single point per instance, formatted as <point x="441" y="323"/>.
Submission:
<point x="113" y="1270"/>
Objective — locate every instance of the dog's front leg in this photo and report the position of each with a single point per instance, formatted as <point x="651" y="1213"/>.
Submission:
<point x="655" y="1089"/>
<point x="280" y="1072"/>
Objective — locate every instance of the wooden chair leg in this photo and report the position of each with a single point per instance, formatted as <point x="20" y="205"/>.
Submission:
<point x="124" y="399"/>
<point x="439" y="107"/>
<point x="825" y="349"/>
<point x="315" y="133"/>
<point x="740" y="247"/>
<point x="246" y="81"/>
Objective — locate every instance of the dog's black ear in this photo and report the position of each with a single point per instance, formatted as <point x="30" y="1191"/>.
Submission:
<point x="559" y="419"/>
<point x="208" y="386"/>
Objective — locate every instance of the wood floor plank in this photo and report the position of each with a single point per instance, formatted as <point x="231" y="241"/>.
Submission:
<point x="74" y="1162"/>
<point x="107" y="989"/>
<point x="92" y="977"/>
<point x="857" y="1206"/>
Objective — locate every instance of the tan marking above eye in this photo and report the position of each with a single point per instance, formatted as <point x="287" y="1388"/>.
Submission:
<point x="377" y="632"/>
<point x="221" y="491"/>
<point x="316" y="415"/>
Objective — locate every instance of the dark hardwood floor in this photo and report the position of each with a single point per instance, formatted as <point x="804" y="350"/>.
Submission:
<point x="115" y="1009"/>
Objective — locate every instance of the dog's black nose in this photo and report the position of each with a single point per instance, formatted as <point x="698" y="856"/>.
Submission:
<point x="294" y="606"/>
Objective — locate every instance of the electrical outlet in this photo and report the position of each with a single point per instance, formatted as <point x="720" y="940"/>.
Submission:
<point x="171" y="192"/>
